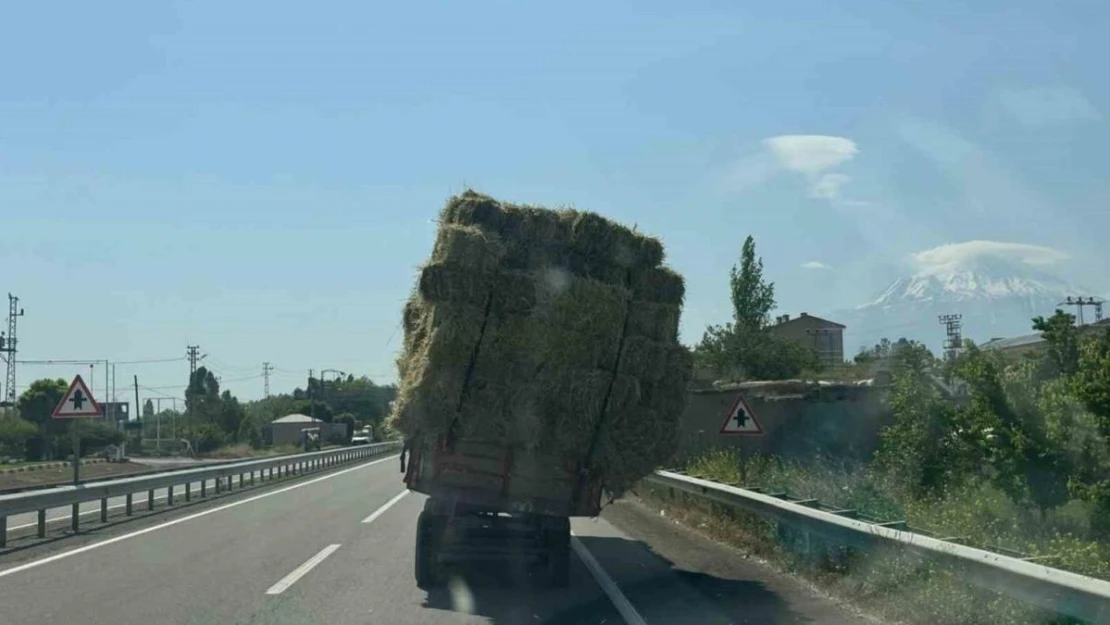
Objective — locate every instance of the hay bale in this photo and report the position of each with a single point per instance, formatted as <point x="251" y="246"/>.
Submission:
<point x="450" y="284"/>
<point x="661" y="285"/>
<point x="515" y="336"/>
<point x="658" y="322"/>
<point x="432" y="380"/>
<point x="505" y="412"/>
<point x="643" y="358"/>
<point x="635" y="446"/>
<point x="471" y="208"/>
<point x="572" y="405"/>
<point x="647" y="437"/>
<point x="514" y="293"/>
<point x="534" y="237"/>
<point x="468" y="247"/>
<point x="580" y="304"/>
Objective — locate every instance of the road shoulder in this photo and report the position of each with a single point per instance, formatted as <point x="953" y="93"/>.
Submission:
<point x="735" y="586"/>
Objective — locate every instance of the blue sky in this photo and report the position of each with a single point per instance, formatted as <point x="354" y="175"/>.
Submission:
<point x="260" y="178"/>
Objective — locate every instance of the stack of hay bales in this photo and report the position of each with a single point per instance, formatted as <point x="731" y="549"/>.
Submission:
<point x="543" y="329"/>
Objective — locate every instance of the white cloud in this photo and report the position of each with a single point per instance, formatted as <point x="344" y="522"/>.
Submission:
<point x="812" y="156"/>
<point x="815" y="264"/>
<point x="1040" y="106"/>
<point x="959" y="254"/>
<point x="828" y="186"/>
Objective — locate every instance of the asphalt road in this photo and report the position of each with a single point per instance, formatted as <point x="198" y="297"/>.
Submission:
<point x="337" y="548"/>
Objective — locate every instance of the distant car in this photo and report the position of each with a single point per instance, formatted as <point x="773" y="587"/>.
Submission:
<point x="362" y="437"/>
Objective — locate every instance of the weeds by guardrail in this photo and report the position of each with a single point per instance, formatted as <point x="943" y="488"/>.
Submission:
<point x="811" y="529"/>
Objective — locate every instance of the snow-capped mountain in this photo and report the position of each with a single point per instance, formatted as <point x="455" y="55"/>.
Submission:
<point x="997" y="297"/>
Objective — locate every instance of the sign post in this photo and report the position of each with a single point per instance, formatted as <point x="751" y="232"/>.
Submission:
<point x="740" y="420"/>
<point x="77" y="403"/>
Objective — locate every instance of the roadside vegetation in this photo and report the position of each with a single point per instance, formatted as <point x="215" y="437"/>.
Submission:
<point x="1009" y="453"/>
<point x="215" y="422"/>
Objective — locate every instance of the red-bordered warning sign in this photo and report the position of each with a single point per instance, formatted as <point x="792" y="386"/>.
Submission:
<point x="741" y="420"/>
<point x="77" y="403"/>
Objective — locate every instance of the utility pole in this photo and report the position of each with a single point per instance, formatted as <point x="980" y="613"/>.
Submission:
<point x="953" y="325"/>
<point x="311" y="402"/>
<point x="138" y="409"/>
<point x="1081" y="302"/>
<point x="266" y="369"/>
<point x="193" y="351"/>
<point x="8" y="345"/>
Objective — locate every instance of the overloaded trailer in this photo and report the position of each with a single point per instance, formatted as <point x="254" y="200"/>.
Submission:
<point x="487" y="501"/>
<point x="540" y="367"/>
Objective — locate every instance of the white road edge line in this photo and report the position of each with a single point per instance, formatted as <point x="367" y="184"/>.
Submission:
<point x="389" y="504"/>
<point x="299" y="572"/>
<point x="619" y="601"/>
<point x="115" y="539"/>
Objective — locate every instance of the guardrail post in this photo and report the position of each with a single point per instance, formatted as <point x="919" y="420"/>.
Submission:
<point x="75" y="517"/>
<point x="252" y="477"/>
<point x="127" y="506"/>
<point x="240" y="480"/>
<point x="169" y="495"/>
<point x="150" y="499"/>
<point x="271" y="474"/>
<point x="203" y="488"/>
<point x="3" y="531"/>
<point x="229" y="479"/>
<point x="42" y="524"/>
<point x="103" y="509"/>
<point x="188" y="489"/>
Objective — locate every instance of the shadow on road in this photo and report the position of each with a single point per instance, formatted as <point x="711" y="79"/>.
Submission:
<point x="511" y="594"/>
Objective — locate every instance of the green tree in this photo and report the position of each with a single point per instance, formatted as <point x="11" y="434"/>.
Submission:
<point x="274" y="407"/>
<point x="1062" y="338"/>
<point x="745" y="347"/>
<point x="929" y="445"/>
<point x="250" y="432"/>
<point x="36" y="404"/>
<point x="231" y="414"/>
<point x="14" y="436"/>
<point x="752" y="297"/>
<point x="202" y="397"/>
<point x="1092" y="380"/>
<point x="1025" y="460"/>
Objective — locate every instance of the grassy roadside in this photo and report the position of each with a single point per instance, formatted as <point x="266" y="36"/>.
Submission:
<point x="55" y="473"/>
<point x="888" y="585"/>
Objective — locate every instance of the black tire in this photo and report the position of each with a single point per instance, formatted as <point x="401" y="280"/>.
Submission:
<point x="558" y="555"/>
<point x="426" y="562"/>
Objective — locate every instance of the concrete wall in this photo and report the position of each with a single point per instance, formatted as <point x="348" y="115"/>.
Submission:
<point x="799" y="419"/>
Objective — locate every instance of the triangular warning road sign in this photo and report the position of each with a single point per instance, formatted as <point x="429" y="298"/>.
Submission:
<point x="741" y="419"/>
<point x="77" y="402"/>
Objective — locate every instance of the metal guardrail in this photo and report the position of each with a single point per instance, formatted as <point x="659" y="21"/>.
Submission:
<point x="268" y="468"/>
<point x="1062" y="592"/>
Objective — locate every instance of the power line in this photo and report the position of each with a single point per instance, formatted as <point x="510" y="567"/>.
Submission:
<point x="98" y="361"/>
<point x="1080" y="303"/>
